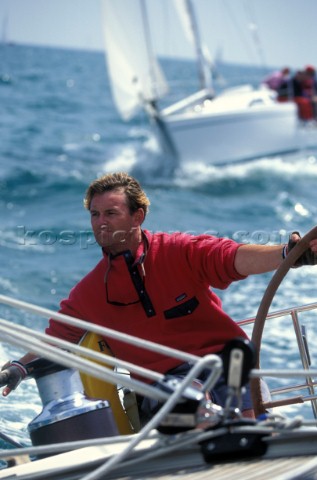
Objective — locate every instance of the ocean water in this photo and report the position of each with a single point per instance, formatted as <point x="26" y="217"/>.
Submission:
<point x="59" y="130"/>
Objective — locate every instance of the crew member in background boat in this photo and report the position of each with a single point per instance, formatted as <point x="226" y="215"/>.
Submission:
<point x="277" y="78"/>
<point x="300" y="89"/>
<point x="157" y="286"/>
<point x="310" y="87"/>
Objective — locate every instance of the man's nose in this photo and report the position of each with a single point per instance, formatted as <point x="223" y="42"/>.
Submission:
<point x="103" y="220"/>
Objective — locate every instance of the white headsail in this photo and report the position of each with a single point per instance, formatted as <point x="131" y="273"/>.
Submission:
<point x="135" y="75"/>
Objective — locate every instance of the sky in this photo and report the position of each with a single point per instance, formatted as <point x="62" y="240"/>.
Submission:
<point x="258" y="32"/>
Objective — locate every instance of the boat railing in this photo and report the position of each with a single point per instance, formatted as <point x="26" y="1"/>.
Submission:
<point x="61" y="351"/>
<point x="309" y="383"/>
<point x="85" y="359"/>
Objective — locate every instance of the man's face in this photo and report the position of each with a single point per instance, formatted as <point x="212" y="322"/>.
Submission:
<point x="113" y="225"/>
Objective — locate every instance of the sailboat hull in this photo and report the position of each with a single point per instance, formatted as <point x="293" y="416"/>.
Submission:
<point x="223" y="131"/>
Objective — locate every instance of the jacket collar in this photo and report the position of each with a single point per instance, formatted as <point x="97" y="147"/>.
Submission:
<point x="141" y="250"/>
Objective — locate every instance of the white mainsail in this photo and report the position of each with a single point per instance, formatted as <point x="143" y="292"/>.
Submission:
<point x="135" y="75"/>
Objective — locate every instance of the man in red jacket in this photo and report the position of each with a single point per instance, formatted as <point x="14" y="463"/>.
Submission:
<point x="156" y="286"/>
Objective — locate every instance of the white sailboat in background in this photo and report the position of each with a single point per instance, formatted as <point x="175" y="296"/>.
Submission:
<point x="238" y="124"/>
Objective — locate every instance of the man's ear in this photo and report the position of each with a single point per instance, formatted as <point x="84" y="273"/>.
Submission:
<point x="139" y="216"/>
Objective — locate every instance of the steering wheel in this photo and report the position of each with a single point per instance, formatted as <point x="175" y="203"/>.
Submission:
<point x="263" y="309"/>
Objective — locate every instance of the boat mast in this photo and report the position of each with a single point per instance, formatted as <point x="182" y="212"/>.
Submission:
<point x="204" y="74"/>
<point x="151" y="105"/>
<point x="149" y="49"/>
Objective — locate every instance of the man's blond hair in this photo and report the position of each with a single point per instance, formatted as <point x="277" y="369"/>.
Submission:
<point x="136" y="197"/>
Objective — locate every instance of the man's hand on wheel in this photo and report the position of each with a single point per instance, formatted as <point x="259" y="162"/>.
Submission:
<point x="309" y="257"/>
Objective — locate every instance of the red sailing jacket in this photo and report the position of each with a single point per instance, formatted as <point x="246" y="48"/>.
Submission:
<point x="178" y="308"/>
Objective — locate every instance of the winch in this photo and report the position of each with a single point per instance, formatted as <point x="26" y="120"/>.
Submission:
<point x="67" y="414"/>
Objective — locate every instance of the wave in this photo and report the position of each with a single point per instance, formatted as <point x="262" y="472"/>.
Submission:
<point x="141" y="156"/>
<point x="26" y="184"/>
<point x="289" y="166"/>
